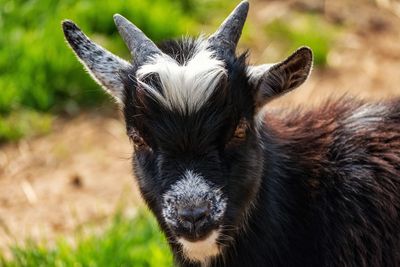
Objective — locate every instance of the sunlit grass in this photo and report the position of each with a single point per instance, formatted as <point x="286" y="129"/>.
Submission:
<point x="23" y="123"/>
<point x="304" y="29"/>
<point x="39" y="72"/>
<point x="126" y="242"/>
<point x="37" y="68"/>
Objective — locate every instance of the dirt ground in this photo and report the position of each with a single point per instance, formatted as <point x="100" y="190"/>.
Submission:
<point x="79" y="173"/>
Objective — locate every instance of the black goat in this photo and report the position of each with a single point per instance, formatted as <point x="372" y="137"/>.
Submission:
<point x="232" y="187"/>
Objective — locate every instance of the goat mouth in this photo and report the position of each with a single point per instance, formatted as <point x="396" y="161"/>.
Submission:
<point x="195" y="233"/>
<point x="196" y="237"/>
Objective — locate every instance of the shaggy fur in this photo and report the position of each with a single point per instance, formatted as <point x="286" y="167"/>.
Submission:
<point x="306" y="188"/>
<point x="301" y="188"/>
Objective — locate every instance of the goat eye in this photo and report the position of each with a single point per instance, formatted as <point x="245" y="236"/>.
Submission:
<point x="137" y="140"/>
<point x="240" y="131"/>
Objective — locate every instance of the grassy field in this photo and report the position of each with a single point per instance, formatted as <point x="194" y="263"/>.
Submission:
<point x="40" y="75"/>
<point x="125" y="242"/>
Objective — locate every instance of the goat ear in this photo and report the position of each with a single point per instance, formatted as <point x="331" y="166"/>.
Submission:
<point x="273" y="80"/>
<point x="103" y="66"/>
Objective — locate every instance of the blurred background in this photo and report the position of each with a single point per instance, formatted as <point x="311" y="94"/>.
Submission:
<point x="67" y="196"/>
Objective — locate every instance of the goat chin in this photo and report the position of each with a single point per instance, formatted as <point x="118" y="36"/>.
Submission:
<point x="202" y="250"/>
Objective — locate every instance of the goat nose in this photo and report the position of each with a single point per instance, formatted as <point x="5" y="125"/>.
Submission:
<point x="193" y="215"/>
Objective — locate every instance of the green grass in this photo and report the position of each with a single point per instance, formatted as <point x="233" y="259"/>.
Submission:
<point x="40" y="75"/>
<point x="24" y="123"/>
<point x="126" y="242"/>
<point x="38" y="71"/>
<point x="304" y="29"/>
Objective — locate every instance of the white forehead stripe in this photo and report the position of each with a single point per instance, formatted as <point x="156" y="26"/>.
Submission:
<point x="184" y="87"/>
<point x="201" y="250"/>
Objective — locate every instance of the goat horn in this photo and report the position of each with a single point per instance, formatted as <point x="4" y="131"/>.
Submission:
<point x="140" y="46"/>
<point x="225" y="39"/>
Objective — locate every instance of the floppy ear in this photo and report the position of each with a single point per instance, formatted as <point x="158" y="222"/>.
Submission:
<point x="103" y="66"/>
<point x="273" y="80"/>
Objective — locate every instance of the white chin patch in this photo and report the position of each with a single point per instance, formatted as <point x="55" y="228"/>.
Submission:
<point x="201" y="250"/>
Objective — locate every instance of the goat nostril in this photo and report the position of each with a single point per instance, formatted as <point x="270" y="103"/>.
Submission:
<point x="193" y="214"/>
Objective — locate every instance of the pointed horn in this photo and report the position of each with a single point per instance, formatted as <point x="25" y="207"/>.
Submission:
<point x="140" y="46"/>
<point x="225" y="39"/>
<point x="102" y="65"/>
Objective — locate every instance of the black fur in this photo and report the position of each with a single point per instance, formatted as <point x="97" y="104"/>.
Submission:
<point x="317" y="188"/>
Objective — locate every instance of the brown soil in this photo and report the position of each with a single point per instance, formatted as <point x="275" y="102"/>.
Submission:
<point x="79" y="173"/>
<point x="76" y="175"/>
